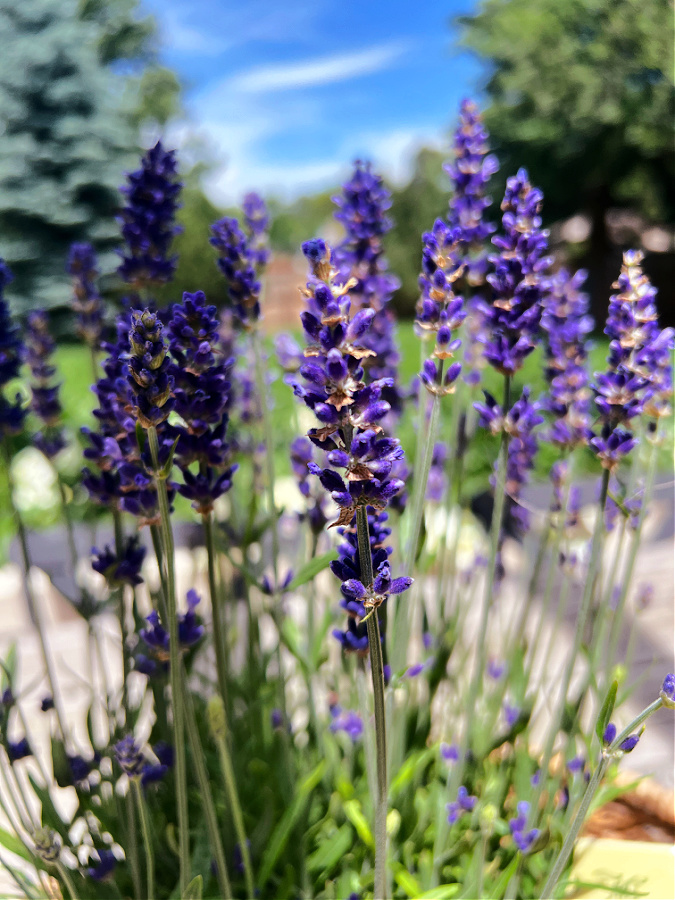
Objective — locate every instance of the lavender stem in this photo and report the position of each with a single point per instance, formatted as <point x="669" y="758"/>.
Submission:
<point x="377" y="672"/>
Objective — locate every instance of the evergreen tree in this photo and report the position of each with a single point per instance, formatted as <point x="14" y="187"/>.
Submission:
<point x="65" y="142"/>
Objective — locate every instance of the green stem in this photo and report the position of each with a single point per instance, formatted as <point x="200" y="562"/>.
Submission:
<point x="67" y="880"/>
<point x="121" y="615"/>
<point x="454" y="778"/>
<point x="575" y="828"/>
<point x="268" y="437"/>
<point x="132" y="851"/>
<point x="589" y="587"/>
<point x="377" y="672"/>
<point x="219" y="635"/>
<point x="174" y="664"/>
<point x="495" y="534"/>
<point x="147" y="836"/>
<point x="205" y="789"/>
<point x="632" y="558"/>
<point x="235" y="805"/>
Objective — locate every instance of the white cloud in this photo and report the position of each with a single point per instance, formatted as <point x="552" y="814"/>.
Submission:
<point x="392" y="153"/>
<point x="318" y="71"/>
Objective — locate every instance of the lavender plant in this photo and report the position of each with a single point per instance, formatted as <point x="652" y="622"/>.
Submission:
<point x="248" y="725"/>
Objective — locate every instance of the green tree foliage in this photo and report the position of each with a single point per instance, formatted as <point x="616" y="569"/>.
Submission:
<point x="77" y="80"/>
<point x="414" y="209"/>
<point x="126" y="37"/>
<point x="300" y="221"/>
<point x="197" y="269"/>
<point x="581" y="93"/>
<point x="64" y="147"/>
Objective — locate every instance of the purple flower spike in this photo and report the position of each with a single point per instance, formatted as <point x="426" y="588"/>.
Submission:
<point x="465" y="802"/>
<point x="257" y="221"/>
<point x="237" y="261"/>
<point x="439" y="310"/>
<point x="348" y="721"/>
<point x="667" y="693"/>
<point x="126" y="570"/>
<point x="129" y="756"/>
<point x="361" y="210"/>
<point x="147" y="220"/>
<point x="518" y="278"/>
<point x="566" y="323"/>
<point x="86" y="303"/>
<point x="609" y="734"/>
<point x="45" y="402"/>
<point x="523" y="839"/>
<point x="150" y="375"/>
<point x="12" y="351"/>
<point x="349" y="409"/>
<point x="470" y="171"/>
<point x="202" y="394"/>
<point x="639" y="376"/>
<point x="449" y="752"/>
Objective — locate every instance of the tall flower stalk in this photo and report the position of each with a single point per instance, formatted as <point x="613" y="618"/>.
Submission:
<point x="151" y="383"/>
<point x="350" y="411"/>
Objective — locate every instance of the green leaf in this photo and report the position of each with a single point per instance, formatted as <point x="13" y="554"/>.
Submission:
<point x="353" y="812"/>
<point x="414" y="764"/>
<point x="290" y="635"/>
<point x="168" y="465"/>
<point x="12" y="843"/>
<point x="194" y="889"/>
<point x="8" y="668"/>
<point x="60" y="764"/>
<point x="311" y="569"/>
<point x="442" y="892"/>
<point x="281" y="834"/>
<point x="606" y="710"/>
<point x="406" y="881"/>
<point x="500" y="886"/>
<point x="331" y="852"/>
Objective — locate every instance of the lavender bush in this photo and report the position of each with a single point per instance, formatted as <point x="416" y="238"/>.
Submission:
<point x="406" y="729"/>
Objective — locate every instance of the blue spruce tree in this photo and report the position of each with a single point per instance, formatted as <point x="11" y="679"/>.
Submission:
<point x="66" y="139"/>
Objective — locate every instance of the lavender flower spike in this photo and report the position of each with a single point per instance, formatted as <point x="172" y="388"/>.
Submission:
<point x="237" y="261"/>
<point x="518" y="280"/>
<point x="149" y="370"/>
<point x="470" y="171"/>
<point x="257" y="221"/>
<point x="566" y="323"/>
<point x="45" y="401"/>
<point x="349" y="412"/>
<point x="439" y="311"/>
<point x="86" y="303"/>
<point x="362" y="207"/>
<point x="202" y="396"/>
<point x="147" y="220"/>
<point x="12" y="413"/>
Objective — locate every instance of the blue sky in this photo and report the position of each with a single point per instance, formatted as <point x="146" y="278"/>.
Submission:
<point x="286" y="93"/>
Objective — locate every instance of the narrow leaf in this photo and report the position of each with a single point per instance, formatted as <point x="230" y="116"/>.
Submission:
<point x="406" y="881"/>
<point x="311" y="569"/>
<point x="353" y="812"/>
<point x="606" y="710"/>
<point x="282" y="833"/>
<point x="12" y="843"/>
<point x="194" y="889"/>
